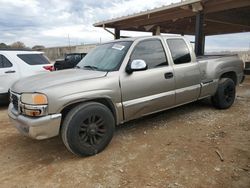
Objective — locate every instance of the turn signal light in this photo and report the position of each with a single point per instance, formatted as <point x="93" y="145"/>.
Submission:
<point x="32" y="112"/>
<point x="39" y="99"/>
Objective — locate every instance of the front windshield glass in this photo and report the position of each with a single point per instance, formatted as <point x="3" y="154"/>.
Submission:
<point x="106" y="57"/>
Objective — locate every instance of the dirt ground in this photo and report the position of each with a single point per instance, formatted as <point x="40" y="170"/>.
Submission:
<point x="172" y="149"/>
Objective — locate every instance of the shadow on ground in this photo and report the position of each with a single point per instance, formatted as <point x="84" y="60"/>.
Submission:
<point x="53" y="149"/>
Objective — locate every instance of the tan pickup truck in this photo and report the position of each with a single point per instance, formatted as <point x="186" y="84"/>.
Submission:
<point x="116" y="82"/>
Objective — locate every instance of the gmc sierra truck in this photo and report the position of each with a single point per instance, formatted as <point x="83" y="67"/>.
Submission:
<point x="116" y="82"/>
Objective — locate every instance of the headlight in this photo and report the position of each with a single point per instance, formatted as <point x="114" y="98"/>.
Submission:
<point x="34" y="104"/>
<point x="34" y="98"/>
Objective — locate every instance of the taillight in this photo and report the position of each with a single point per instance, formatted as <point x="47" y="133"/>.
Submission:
<point x="49" y="67"/>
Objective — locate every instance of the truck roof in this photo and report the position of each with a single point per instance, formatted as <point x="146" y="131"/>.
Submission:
<point x="146" y="37"/>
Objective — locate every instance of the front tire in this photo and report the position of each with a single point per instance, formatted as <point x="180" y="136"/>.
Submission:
<point x="88" y="129"/>
<point x="225" y="94"/>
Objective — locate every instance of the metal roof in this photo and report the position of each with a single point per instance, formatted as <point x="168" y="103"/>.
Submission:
<point x="173" y="5"/>
<point x="221" y="17"/>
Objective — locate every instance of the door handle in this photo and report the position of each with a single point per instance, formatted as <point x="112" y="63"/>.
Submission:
<point x="10" y="71"/>
<point x="168" y="75"/>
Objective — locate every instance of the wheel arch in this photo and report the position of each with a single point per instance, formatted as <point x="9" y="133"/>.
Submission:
<point x="232" y="75"/>
<point x="105" y="101"/>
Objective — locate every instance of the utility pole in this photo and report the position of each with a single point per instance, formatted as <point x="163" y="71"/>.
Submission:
<point x="69" y="43"/>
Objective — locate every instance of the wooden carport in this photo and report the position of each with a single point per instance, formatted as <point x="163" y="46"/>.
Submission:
<point x="191" y="17"/>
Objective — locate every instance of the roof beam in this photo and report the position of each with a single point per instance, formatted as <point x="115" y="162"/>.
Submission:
<point x="157" y="19"/>
<point x="216" y="6"/>
<point x="228" y="23"/>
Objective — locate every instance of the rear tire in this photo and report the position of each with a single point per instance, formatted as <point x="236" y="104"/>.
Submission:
<point x="225" y="94"/>
<point x="88" y="129"/>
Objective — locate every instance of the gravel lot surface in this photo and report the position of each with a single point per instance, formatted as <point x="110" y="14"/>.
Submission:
<point x="174" y="149"/>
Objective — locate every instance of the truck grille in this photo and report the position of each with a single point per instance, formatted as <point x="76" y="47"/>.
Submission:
<point x="15" y="101"/>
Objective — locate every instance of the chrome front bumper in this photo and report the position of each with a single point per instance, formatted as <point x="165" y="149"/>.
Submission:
<point x="35" y="127"/>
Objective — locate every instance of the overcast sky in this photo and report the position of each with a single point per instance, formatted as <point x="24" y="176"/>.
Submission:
<point x="50" y="22"/>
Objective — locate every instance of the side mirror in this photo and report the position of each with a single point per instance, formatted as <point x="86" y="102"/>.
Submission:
<point x="136" y="65"/>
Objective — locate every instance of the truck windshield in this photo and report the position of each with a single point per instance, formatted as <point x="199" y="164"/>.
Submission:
<point x="106" y="57"/>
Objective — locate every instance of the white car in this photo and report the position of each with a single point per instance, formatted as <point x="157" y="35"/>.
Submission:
<point x="15" y="65"/>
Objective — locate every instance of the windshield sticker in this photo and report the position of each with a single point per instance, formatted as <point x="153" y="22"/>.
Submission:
<point x="118" y="47"/>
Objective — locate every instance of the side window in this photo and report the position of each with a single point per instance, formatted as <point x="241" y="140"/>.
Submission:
<point x="6" y="63"/>
<point x="152" y="52"/>
<point x="179" y="51"/>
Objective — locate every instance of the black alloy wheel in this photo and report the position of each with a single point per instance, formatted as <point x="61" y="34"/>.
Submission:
<point x="92" y="130"/>
<point x="225" y="94"/>
<point x="88" y="128"/>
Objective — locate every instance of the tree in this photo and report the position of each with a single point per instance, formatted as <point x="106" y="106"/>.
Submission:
<point x="4" y="46"/>
<point x="18" y="45"/>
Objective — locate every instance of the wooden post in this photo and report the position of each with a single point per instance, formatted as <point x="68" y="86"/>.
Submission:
<point x="117" y="33"/>
<point x="157" y="31"/>
<point x="199" y="34"/>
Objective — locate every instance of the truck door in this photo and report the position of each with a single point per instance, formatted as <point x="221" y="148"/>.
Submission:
<point x="8" y="74"/>
<point x="186" y="71"/>
<point x="150" y="90"/>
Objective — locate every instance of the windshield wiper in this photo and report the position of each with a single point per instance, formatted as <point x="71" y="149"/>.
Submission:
<point x="91" y="67"/>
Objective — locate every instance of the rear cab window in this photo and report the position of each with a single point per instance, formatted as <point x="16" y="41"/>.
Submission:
<point x="4" y="62"/>
<point x="179" y="51"/>
<point x="34" y="59"/>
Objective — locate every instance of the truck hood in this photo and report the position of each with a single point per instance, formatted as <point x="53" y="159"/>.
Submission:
<point x="52" y="79"/>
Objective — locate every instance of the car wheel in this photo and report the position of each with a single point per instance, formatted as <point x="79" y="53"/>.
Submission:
<point x="5" y="99"/>
<point x="88" y="128"/>
<point x="225" y="94"/>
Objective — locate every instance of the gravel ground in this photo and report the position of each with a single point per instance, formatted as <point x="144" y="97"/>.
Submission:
<point x="173" y="149"/>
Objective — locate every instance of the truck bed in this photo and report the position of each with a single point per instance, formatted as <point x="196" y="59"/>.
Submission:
<point x="209" y="57"/>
